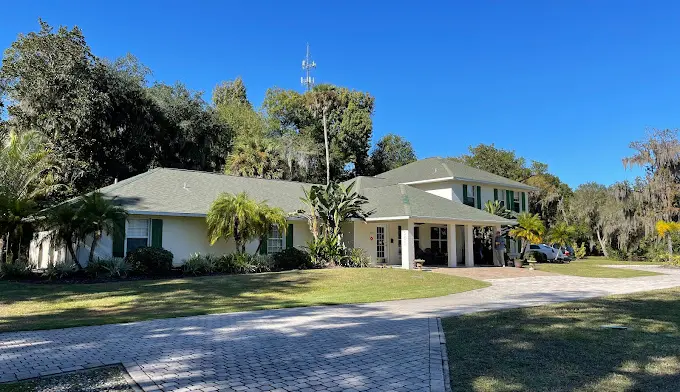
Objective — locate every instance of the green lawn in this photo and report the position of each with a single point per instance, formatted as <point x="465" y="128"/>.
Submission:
<point x="563" y="347"/>
<point x="28" y="306"/>
<point x="593" y="267"/>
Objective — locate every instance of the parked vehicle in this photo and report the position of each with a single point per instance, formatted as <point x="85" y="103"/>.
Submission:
<point x="564" y="253"/>
<point x="549" y="252"/>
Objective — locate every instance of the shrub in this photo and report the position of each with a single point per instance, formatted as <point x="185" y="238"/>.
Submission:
<point x="260" y="263"/>
<point x="60" y="270"/>
<point x="150" y="261"/>
<point x="538" y="257"/>
<point x="356" y="258"/>
<point x="326" y="251"/>
<point x="16" y="269"/>
<point x="244" y="263"/>
<point x="198" y="264"/>
<point x="580" y="251"/>
<point x="291" y="258"/>
<point x="115" y="267"/>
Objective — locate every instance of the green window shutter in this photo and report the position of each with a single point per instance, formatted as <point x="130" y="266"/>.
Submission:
<point x="524" y="201"/>
<point x="464" y="192"/>
<point x="507" y="200"/>
<point x="512" y="200"/>
<point x="479" y="197"/>
<point x="495" y="194"/>
<point x="156" y="233"/>
<point x="118" y="248"/>
<point x="289" y="236"/>
<point x="263" y="245"/>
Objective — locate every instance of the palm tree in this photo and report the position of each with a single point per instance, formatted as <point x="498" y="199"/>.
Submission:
<point x="321" y="100"/>
<point x="529" y="228"/>
<point x="27" y="172"/>
<point x="64" y="226"/>
<point x="241" y="218"/>
<point x="97" y="215"/>
<point x="496" y="208"/>
<point x="562" y="234"/>
<point x="255" y="156"/>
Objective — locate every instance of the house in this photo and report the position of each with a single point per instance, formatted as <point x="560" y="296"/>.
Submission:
<point x="431" y="208"/>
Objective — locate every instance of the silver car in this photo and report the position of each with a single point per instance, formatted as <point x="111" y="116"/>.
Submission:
<point x="549" y="252"/>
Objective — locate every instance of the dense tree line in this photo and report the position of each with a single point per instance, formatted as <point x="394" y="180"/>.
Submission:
<point x="90" y="121"/>
<point x="620" y="220"/>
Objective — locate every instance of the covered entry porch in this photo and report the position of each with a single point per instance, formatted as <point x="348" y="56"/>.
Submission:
<point x="437" y="242"/>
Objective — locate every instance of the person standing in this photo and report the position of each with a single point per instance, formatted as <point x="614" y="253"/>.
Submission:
<point x="498" y="250"/>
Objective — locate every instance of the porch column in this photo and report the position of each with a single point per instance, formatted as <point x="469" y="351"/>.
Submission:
<point x="408" y="249"/>
<point x="469" y="247"/>
<point x="451" y="235"/>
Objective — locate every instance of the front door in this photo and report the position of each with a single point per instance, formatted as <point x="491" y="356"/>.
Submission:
<point x="381" y="243"/>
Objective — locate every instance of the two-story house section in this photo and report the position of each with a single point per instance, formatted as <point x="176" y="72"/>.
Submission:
<point x="455" y="181"/>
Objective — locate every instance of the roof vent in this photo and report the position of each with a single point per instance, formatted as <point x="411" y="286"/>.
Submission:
<point x="185" y="187"/>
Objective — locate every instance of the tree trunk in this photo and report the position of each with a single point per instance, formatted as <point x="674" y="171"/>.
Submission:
<point x="3" y="250"/>
<point x="72" y="252"/>
<point x="95" y="239"/>
<point x="325" y="141"/>
<point x="603" y="244"/>
<point x="670" y="247"/>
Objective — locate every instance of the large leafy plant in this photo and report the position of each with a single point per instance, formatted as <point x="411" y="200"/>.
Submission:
<point x="529" y="228"/>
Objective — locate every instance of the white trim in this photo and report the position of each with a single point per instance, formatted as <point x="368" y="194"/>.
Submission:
<point x="163" y="213"/>
<point x="485" y="182"/>
<point x="439" y="220"/>
<point x="473" y="180"/>
<point x="428" y="181"/>
<point x="193" y="214"/>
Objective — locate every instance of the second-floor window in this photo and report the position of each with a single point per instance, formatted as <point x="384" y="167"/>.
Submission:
<point x="470" y="195"/>
<point x="516" y="202"/>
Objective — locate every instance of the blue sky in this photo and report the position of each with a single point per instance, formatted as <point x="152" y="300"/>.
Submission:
<point x="568" y="83"/>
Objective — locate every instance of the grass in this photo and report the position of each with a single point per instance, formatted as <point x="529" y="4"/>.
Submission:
<point x="563" y="347"/>
<point x="593" y="267"/>
<point x="31" y="306"/>
<point x="104" y="379"/>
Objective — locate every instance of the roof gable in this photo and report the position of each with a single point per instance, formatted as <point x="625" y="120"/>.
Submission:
<point x="442" y="169"/>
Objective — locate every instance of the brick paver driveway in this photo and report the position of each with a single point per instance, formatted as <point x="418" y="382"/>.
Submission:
<point x="381" y="346"/>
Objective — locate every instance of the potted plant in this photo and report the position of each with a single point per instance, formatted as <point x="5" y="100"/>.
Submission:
<point x="518" y="263"/>
<point x="419" y="263"/>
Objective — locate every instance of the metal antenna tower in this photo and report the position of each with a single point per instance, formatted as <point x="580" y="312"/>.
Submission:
<point x="308" y="65"/>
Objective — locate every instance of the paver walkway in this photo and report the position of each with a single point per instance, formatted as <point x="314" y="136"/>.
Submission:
<point x="381" y="346"/>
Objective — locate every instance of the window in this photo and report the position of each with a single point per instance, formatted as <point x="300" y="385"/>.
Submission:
<point x="438" y="240"/>
<point x="399" y="240"/>
<point x="515" y="203"/>
<point x="380" y="242"/>
<point x="470" y="194"/>
<point x="274" y="240"/>
<point x="416" y="237"/>
<point x="501" y="197"/>
<point x="136" y="234"/>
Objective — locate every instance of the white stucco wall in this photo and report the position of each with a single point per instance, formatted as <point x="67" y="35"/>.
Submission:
<point x="183" y="236"/>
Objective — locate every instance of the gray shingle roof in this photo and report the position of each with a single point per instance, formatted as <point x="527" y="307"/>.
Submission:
<point x="401" y="200"/>
<point x="186" y="192"/>
<point x="446" y="168"/>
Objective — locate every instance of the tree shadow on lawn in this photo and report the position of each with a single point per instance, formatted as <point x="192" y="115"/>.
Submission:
<point x="142" y="300"/>
<point x="564" y="348"/>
